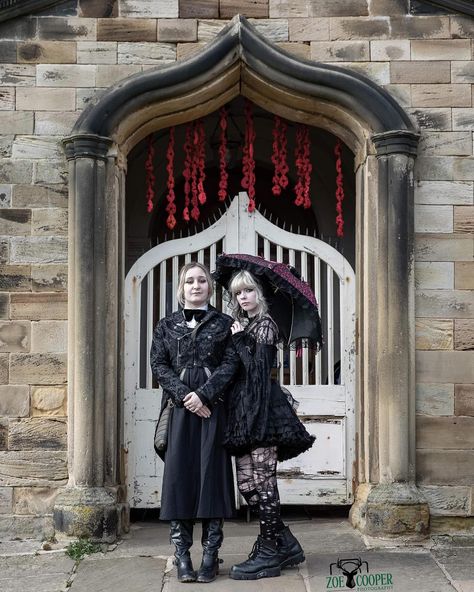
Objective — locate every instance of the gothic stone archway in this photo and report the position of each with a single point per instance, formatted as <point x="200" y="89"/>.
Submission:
<point x="378" y="131"/>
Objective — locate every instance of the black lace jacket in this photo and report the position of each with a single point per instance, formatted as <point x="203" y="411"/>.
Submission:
<point x="175" y="347"/>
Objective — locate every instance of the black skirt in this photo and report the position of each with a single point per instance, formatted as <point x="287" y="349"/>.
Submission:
<point x="197" y="478"/>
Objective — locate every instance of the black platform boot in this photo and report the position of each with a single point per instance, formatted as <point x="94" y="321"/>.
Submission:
<point x="263" y="562"/>
<point x="212" y="537"/>
<point x="289" y="550"/>
<point x="181" y="535"/>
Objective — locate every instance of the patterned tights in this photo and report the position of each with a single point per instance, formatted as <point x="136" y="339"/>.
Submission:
<point x="256" y="478"/>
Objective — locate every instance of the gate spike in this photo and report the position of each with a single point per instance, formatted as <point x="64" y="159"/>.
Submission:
<point x="265" y="213"/>
<point x="270" y="218"/>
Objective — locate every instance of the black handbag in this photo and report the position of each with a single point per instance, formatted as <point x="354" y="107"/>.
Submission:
<point x="161" y="430"/>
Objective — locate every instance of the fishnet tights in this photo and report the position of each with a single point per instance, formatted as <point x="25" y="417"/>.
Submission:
<point x="256" y="478"/>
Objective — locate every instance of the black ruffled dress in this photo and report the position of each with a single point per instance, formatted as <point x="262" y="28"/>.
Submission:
<point x="260" y="413"/>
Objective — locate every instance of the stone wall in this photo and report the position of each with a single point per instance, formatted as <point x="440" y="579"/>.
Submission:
<point x="51" y="64"/>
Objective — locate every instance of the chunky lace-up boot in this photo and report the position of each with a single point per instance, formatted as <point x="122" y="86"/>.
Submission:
<point x="263" y="562"/>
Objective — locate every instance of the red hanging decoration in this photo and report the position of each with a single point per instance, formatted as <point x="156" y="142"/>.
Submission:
<point x="339" y="189"/>
<point x="194" y="175"/>
<point x="248" y="160"/>
<point x="279" y="156"/>
<point x="150" y="175"/>
<point x="201" y="160"/>
<point x="303" y="167"/>
<point x="171" y="207"/>
<point x="222" y="193"/>
<point x="188" y="147"/>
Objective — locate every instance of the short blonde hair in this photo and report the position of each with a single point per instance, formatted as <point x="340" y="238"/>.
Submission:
<point x="239" y="281"/>
<point x="182" y="277"/>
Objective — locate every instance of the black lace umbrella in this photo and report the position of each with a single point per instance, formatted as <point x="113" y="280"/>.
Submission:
<point x="291" y="301"/>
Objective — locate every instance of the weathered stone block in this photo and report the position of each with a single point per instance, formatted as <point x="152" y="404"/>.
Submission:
<point x="91" y="52"/>
<point x="384" y="7"/>
<point x="8" y="52"/>
<point x="39" y="306"/>
<point x="301" y="50"/>
<point x="436" y="72"/>
<point x="14" y="400"/>
<point x="444" y="248"/>
<point x="308" y="29"/>
<point x="49" y="278"/>
<point x="17" y="75"/>
<point x="432" y="119"/>
<point x="420" y="27"/>
<point x="7" y="98"/>
<point x="175" y="30"/>
<point x="444" y="192"/>
<point x="49" y="400"/>
<point x="434" y="275"/>
<point x="14" y="526"/>
<point x="447" y="433"/>
<point x="85" y="95"/>
<point x="464" y="334"/>
<point x="199" y="9"/>
<point x="16" y="170"/>
<point x="6" y="500"/>
<point x="208" y="29"/>
<point x="108" y="75"/>
<point x="18" y="122"/>
<point x="37" y="433"/>
<point x="15" y="336"/>
<point x="434" y="399"/>
<point x="462" y="72"/>
<point x="273" y="29"/>
<point x="34" y="500"/>
<point x="15" y="278"/>
<point x="435" y="168"/>
<point x="33" y="468"/>
<point x="389" y="50"/>
<point x="149" y="8"/>
<point x="359" y="28"/>
<point x="446" y="143"/>
<point x="146" y="53"/>
<point x="4" y="367"/>
<point x="447" y="501"/>
<point x="98" y="8"/>
<point x="444" y="367"/>
<point x="340" y="51"/>
<point x="47" y="52"/>
<point x="464" y="219"/>
<point x="463" y="169"/>
<point x="3" y="442"/>
<point x="4" y="306"/>
<point x="39" y="196"/>
<point x="49" y="221"/>
<point x="37" y="368"/>
<point x="36" y="147"/>
<point x="441" y="95"/>
<point x="434" y="334"/>
<point x="49" y="337"/>
<point x="464" y="399"/>
<point x="441" y="49"/>
<point x="46" y="99"/>
<point x="38" y="249"/>
<point x="248" y="8"/>
<point x="464" y="275"/>
<point x="126" y="29"/>
<point x="67" y="29"/>
<point x="23" y="28"/>
<point x="445" y="467"/>
<point x="15" y="222"/>
<point x="378" y="72"/>
<point x="433" y="218"/>
<point x="67" y="75"/>
<point x="356" y="8"/>
<point x="186" y="50"/>
<point x="50" y="123"/>
<point x="5" y="202"/>
<point x="462" y="26"/>
<point x="463" y="119"/>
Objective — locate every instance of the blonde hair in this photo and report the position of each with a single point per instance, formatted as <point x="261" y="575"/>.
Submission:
<point x="182" y="277"/>
<point x="239" y="281"/>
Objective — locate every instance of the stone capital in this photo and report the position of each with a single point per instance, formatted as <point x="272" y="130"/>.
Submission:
<point x="396" y="142"/>
<point x="87" y="146"/>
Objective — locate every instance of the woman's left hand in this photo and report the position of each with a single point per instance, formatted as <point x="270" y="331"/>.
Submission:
<point x="194" y="404"/>
<point x="236" y="327"/>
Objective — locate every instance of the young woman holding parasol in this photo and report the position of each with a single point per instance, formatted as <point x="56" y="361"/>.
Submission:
<point x="263" y="426"/>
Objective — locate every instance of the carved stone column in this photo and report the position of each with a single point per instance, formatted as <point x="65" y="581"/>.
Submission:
<point x="389" y="503"/>
<point x="86" y="507"/>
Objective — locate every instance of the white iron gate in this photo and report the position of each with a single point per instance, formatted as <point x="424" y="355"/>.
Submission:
<point x="322" y="383"/>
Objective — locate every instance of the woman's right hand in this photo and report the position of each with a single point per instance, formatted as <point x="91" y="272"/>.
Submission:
<point x="236" y="327"/>
<point x="194" y="404"/>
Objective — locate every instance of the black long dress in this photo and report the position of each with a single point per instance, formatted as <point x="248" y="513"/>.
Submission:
<point x="260" y="413"/>
<point x="197" y="478"/>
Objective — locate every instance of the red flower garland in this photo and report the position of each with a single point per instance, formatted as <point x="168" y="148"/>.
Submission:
<point x="303" y="167"/>
<point x="248" y="160"/>
<point x="339" y="189"/>
<point x="188" y="146"/>
<point x="149" y="173"/>
<point x="194" y="173"/>
<point x="171" y="207"/>
<point x="280" y="178"/>
<point x="222" y="193"/>
<point x="201" y="160"/>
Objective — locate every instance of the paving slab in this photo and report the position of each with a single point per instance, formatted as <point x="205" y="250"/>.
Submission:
<point x="35" y="573"/>
<point x="458" y="563"/>
<point x="410" y="571"/>
<point x="110" y="574"/>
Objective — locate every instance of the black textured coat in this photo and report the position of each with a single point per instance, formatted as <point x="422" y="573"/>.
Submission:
<point x="197" y="478"/>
